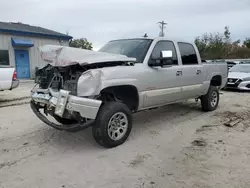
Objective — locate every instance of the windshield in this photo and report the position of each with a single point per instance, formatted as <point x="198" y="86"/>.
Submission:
<point x="136" y="48"/>
<point x="240" y="68"/>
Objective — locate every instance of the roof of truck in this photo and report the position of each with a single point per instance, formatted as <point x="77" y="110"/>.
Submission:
<point x="157" y="38"/>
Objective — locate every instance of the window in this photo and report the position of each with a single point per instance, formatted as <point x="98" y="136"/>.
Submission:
<point x="4" y="57"/>
<point x="188" y="54"/>
<point x="164" y="46"/>
<point x="136" y="48"/>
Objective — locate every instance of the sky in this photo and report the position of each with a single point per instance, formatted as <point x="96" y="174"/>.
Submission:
<point x="102" y="20"/>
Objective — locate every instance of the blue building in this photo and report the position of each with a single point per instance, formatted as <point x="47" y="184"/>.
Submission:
<point x="19" y="46"/>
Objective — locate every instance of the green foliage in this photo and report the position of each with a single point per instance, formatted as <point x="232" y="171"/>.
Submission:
<point x="247" y="42"/>
<point x="81" y="43"/>
<point x="220" y="46"/>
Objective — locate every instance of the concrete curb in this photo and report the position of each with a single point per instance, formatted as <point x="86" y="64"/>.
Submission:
<point x="27" y="81"/>
<point x="14" y="99"/>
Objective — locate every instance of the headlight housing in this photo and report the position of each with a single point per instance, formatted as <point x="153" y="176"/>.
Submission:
<point x="89" y="83"/>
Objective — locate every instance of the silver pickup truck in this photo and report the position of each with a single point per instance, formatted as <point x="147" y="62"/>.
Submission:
<point x="81" y="88"/>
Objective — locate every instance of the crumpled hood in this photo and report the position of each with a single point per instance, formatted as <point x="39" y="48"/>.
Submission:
<point x="238" y="75"/>
<point x="64" y="56"/>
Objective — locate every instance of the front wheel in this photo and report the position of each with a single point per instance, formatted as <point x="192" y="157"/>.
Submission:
<point x="113" y="124"/>
<point x="210" y="101"/>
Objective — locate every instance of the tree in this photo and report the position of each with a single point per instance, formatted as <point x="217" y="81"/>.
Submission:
<point x="81" y="43"/>
<point x="227" y="35"/>
<point x="211" y="46"/>
<point x="220" y="46"/>
<point x="246" y="43"/>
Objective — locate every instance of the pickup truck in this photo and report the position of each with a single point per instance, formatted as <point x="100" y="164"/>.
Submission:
<point x="8" y="78"/>
<point x="82" y="88"/>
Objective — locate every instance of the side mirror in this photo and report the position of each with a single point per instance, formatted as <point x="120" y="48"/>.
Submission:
<point x="166" y="58"/>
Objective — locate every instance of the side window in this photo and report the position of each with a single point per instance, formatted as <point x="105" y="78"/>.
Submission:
<point x="163" y="46"/>
<point x="188" y="54"/>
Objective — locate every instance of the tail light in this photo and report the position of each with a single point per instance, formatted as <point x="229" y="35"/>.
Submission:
<point x="14" y="77"/>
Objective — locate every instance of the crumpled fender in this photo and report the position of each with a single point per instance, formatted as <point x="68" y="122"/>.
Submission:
<point x="92" y="82"/>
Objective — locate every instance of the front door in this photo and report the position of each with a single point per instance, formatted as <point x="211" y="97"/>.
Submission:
<point x="164" y="83"/>
<point x="22" y="63"/>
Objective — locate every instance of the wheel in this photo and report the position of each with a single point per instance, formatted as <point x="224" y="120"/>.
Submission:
<point x="210" y="101"/>
<point x="113" y="124"/>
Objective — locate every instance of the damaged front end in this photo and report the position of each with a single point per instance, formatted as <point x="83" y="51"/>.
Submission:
<point x="69" y="95"/>
<point x="68" y="87"/>
<point x="56" y="96"/>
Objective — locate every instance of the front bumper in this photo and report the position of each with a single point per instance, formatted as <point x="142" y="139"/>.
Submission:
<point x="244" y="86"/>
<point x="61" y="101"/>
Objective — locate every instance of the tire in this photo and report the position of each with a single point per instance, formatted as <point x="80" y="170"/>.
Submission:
<point x="109" y="134"/>
<point x="210" y="101"/>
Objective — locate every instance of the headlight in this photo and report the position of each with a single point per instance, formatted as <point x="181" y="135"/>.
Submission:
<point x="89" y="83"/>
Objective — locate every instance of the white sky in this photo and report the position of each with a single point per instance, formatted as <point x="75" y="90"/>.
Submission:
<point x="103" y="20"/>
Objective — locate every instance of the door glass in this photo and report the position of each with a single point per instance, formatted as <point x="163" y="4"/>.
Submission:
<point x="188" y="54"/>
<point x="164" y="46"/>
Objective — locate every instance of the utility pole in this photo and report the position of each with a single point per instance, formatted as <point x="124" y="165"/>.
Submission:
<point x="162" y="27"/>
<point x="145" y="35"/>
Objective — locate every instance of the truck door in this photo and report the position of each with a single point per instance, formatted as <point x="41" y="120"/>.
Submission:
<point x="163" y="83"/>
<point x="192" y="71"/>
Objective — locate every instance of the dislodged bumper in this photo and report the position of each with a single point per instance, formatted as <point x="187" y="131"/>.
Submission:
<point x="61" y="101"/>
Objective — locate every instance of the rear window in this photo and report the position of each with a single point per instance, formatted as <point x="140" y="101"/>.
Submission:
<point x="188" y="54"/>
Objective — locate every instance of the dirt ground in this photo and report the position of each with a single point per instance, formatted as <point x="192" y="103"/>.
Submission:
<point x="174" y="146"/>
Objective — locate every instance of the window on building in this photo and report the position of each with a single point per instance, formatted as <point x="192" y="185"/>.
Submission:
<point x="164" y="46"/>
<point x="4" y="57"/>
<point x="188" y="54"/>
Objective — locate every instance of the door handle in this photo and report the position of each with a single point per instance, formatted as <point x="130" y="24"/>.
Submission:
<point x="198" y="72"/>
<point x="179" y="73"/>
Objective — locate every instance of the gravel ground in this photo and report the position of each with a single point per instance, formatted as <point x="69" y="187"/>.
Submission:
<point x="173" y="146"/>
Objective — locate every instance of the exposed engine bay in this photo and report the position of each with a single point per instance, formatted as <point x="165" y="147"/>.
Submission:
<point x="70" y="85"/>
<point x="67" y="77"/>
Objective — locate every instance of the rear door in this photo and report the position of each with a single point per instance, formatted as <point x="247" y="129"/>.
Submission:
<point x="192" y="71"/>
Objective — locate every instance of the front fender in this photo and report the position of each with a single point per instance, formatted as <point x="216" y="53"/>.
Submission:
<point x="92" y="82"/>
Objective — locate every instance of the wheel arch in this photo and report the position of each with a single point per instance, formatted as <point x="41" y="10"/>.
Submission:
<point x="128" y="94"/>
<point x="216" y="80"/>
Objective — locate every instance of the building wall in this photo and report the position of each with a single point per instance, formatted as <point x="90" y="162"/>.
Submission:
<point x="34" y="55"/>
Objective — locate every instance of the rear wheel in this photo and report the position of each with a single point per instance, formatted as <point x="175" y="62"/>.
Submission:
<point x="210" y="101"/>
<point x="113" y="124"/>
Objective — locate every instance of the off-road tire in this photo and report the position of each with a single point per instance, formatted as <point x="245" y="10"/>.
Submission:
<point x="206" y="100"/>
<point x="100" y="128"/>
